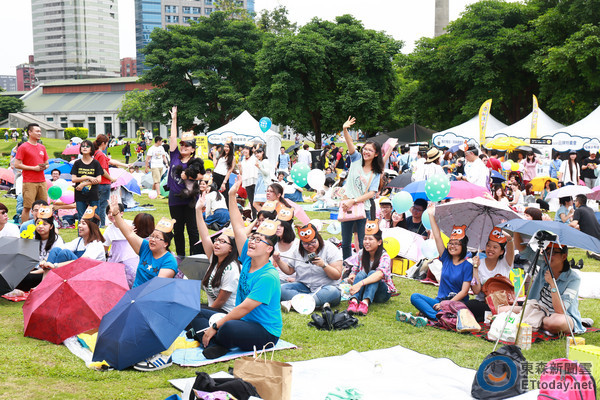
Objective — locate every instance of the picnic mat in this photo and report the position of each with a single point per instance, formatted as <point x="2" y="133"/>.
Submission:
<point x="193" y="357"/>
<point x="139" y="209"/>
<point x="590" y="285"/>
<point x="16" y="298"/>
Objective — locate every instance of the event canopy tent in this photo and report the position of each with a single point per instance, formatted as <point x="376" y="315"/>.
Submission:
<point x="468" y="131"/>
<point x="583" y="134"/>
<point x="522" y="129"/>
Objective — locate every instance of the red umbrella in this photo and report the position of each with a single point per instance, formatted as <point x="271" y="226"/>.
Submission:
<point x="71" y="150"/>
<point x="7" y="175"/>
<point x="466" y="190"/>
<point x="73" y="299"/>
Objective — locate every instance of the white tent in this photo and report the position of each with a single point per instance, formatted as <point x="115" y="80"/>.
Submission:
<point x="584" y="134"/>
<point x="522" y="129"/>
<point x="468" y="131"/>
<point x="245" y="128"/>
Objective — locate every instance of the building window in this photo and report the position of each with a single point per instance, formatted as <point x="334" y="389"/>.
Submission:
<point x="186" y="10"/>
<point x="196" y="10"/>
<point x="92" y="129"/>
<point x="208" y="2"/>
<point x="50" y="119"/>
<point x="78" y="124"/>
<point x="108" y="128"/>
<point x="208" y="10"/>
<point x="171" y="9"/>
<point x="172" y="19"/>
<point x="108" y="118"/>
<point x="63" y="119"/>
<point x="91" y="118"/>
<point x="64" y="125"/>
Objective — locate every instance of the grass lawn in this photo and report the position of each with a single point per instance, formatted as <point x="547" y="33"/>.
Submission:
<point x="32" y="368"/>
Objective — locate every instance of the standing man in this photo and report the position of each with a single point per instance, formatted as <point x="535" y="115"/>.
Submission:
<point x="588" y="170"/>
<point x="32" y="159"/>
<point x="155" y="160"/>
<point x="304" y="156"/>
<point x="283" y="161"/>
<point x="475" y="170"/>
<point x="493" y="163"/>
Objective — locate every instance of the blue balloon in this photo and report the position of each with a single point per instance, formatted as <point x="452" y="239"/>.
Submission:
<point x="402" y="202"/>
<point x="425" y="220"/>
<point x="265" y="124"/>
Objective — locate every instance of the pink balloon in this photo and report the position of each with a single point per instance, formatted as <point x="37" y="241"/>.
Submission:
<point x="152" y="194"/>
<point x="68" y="197"/>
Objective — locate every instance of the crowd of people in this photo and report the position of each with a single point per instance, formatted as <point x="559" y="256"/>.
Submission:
<point x="262" y="257"/>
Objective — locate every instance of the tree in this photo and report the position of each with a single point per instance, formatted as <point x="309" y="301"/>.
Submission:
<point x="10" y="105"/>
<point x="314" y="79"/>
<point x="207" y="69"/>
<point x="276" y="21"/>
<point x="233" y="9"/>
<point x="137" y="106"/>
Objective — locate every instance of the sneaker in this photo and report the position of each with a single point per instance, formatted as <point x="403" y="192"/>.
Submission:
<point x="587" y="322"/>
<point x="363" y="308"/>
<point x="418" y="322"/>
<point x="352" y="306"/>
<point x="403" y="316"/>
<point x="154" y="363"/>
<point x="286" y="306"/>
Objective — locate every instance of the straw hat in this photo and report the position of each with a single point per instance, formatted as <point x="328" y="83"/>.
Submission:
<point x="433" y="154"/>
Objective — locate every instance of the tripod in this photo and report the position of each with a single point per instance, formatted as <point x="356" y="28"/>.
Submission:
<point x="543" y="239"/>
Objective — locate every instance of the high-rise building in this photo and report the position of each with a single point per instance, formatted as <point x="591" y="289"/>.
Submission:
<point x="75" y="39"/>
<point x="150" y="14"/>
<point x="8" y="82"/>
<point x="26" y="75"/>
<point x="128" y="67"/>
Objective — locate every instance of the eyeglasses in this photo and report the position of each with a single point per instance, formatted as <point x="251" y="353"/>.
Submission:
<point x="550" y="252"/>
<point x="454" y="243"/>
<point x="416" y="209"/>
<point x="256" y="239"/>
<point x="155" y="238"/>
<point x="222" y="241"/>
<point x="83" y="146"/>
<point x="313" y="242"/>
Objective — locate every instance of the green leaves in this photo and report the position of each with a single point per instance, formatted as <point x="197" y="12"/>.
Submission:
<point x="10" y="105"/>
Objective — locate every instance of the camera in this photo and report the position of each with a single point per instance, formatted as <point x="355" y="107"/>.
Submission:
<point x="545" y="236"/>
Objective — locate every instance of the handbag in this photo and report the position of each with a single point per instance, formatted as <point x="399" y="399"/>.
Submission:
<point x="357" y="211"/>
<point x="272" y="379"/>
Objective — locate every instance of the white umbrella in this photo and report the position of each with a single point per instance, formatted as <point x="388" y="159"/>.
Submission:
<point x="479" y="215"/>
<point x="569" y="190"/>
<point x="410" y="242"/>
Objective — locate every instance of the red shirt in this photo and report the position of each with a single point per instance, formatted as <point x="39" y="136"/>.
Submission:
<point x="103" y="160"/>
<point x="494" y="164"/>
<point x="32" y="155"/>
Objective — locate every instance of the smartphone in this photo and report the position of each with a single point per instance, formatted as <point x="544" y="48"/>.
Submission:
<point x="312" y="256"/>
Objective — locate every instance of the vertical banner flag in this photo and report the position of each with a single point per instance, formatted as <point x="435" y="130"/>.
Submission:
<point x="534" y="118"/>
<point x="484" y="113"/>
<point x="202" y="147"/>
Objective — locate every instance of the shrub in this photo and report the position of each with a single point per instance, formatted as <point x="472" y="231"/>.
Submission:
<point x="76" y="132"/>
<point x="58" y="154"/>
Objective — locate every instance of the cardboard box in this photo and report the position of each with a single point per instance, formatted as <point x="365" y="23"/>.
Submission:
<point x="587" y="354"/>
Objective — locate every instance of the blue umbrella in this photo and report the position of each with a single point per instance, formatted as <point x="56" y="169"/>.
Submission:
<point x="64" y="167"/>
<point x="146" y="321"/>
<point x="497" y="177"/>
<point x="565" y="234"/>
<point x="417" y="190"/>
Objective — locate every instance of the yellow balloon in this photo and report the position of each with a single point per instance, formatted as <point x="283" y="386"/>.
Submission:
<point x="514" y="166"/>
<point x="391" y="246"/>
<point x="445" y="239"/>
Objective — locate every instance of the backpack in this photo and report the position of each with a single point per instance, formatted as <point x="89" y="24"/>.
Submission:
<point x="501" y="375"/>
<point x="330" y="320"/>
<point x="566" y="379"/>
<point x="447" y="316"/>
<point x="237" y="387"/>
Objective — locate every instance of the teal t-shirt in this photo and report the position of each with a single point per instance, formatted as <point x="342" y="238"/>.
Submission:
<point x="263" y="286"/>
<point x="149" y="267"/>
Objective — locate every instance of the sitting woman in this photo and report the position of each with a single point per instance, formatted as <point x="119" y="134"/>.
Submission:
<point x="90" y="244"/>
<point x="371" y="274"/>
<point x="216" y="215"/>
<point x="565" y="212"/>
<point x="457" y="272"/>
<point x="143" y="225"/>
<point x="6" y="228"/>
<point x="544" y="310"/>
<point x="49" y="239"/>
<point x="318" y="268"/>
<point x="499" y="255"/>
<point x="117" y="247"/>
<point x="221" y="280"/>
<point x="256" y="318"/>
<point x="155" y="257"/>
<point x="288" y="242"/>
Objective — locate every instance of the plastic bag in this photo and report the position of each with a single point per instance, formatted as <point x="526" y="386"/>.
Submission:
<point x="509" y="334"/>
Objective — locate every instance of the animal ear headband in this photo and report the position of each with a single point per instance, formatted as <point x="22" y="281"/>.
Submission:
<point x="307" y="233"/>
<point x="372" y="227"/>
<point x="285" y="213"/>
<point x="45" y="212"/>
<point x="497" y="236"/>
<point x="165" y="225"/>
<point x="458" y="232"/>
<point x="268" y="227"/>
<point x="89" y="213"/>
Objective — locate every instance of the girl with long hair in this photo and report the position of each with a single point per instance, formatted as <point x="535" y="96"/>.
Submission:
<point x="224" y="165"/>
<point x="371" y="272"/>
<point x="499" y="194"/>
<point x="569" y="170"/>
<point x="249" y="174"/>
<point x="288" y="242"/>
<point x="85" y="174"/>
<point x="264" y="177"/>
<point x="221" y="280"/>
<point x="530" y="164"/>
<point x="362" y="184"/>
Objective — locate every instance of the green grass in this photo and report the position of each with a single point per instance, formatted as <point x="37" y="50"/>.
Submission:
<point x="32" y="368"/>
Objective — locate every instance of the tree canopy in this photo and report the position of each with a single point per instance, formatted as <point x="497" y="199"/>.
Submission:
<point x="10" y="105"/>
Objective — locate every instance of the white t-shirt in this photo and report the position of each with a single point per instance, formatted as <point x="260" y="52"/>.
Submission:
<point x="113" y="234"/>
<point x="229" y="283"/>
<point x="212" y="204"/>
<point x="10" y="230"/>
<point x="501" y="268"/>
<point x="305" y="157"/>
<point x="156" y="154"/>
<point x="426" y="171"/>
<point x="310" y="274"/>
<point x="94" y="250"/>
<point x="59" y="242"/>
<point x="249" y="171"/>
<point x="283" y="277"/>
<point x="477" y="173"/>
<point x="566" y="175"/>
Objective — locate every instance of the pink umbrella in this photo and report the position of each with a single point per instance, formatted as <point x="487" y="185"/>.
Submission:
<point x="7" y="175"/>
<point x="466" y="190"/>
<point x="71" y="150"/>
<point x="595" y="195"/>
<point x="299" y="212"/>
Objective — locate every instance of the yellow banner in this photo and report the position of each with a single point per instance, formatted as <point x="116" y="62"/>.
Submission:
<point x="202" y="147"/>
<point x="534" y="118"/>
<point x="484" y="113"/>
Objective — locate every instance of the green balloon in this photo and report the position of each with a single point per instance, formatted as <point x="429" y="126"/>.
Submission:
<point x="437" y="187"/>
<point x="55" y="192"/>
<point x="299" y="174"/>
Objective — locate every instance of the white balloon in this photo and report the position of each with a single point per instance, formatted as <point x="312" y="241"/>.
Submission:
<point x="316" y="179"/>
<point x="61" y="183"/>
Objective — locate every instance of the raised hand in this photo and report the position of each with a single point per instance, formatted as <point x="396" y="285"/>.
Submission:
<point x="349" y="122"/>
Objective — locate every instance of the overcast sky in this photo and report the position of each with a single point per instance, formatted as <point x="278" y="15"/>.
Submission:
<point x="406" y="20"/>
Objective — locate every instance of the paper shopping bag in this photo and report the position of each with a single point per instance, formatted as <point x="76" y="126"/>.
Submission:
<point x="272" y="379"/>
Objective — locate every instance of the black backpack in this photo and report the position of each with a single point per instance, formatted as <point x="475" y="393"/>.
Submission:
<point x="501" y="375"/>
<point x="330" y="320"/>
<point x="237" y="387"/>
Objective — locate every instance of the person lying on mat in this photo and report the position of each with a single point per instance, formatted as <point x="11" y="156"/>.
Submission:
<point x="90" y="243"/>
<point x="499" y="256"/>
<point x="155" y="256"/>
<point x="457" y="272"/>
<point x="221" y="279"/>
<point x="371" y="274"/>
<point x="318" y="267"/>
<point x="544" y="310"/>
<point x="256" y="318"/>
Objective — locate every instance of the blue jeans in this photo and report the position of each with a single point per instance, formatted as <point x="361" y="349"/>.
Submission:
<point x="235" y="333"/>
<point x="347" y="231"/>
<point x="376" y="292"/>
<point x="327" y="294"/>
<point x="220" y="216"/>
<point x="81" y="206"/>
<point x="103" y="197"/>
<point x="58" y="255"/>
<point x="425" y="305"/>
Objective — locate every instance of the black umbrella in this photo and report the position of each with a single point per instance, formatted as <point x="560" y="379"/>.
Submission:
<point x="19" y="256"/>
<point x="194" y="267"/>
<point x="293" y="148"/>
<point x="401" y="180"/>
<point x="528" y="149"/>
